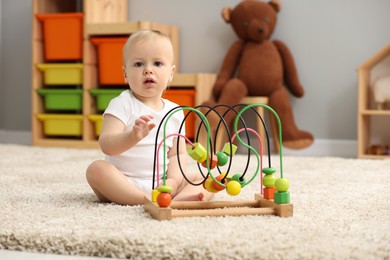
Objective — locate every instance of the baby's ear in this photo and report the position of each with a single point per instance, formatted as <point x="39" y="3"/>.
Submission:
<point x="124" y="74"/>
<point x="172" y="73"/>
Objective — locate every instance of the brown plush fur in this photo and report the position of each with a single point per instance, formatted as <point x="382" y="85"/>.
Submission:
<point x="256" y="66"/>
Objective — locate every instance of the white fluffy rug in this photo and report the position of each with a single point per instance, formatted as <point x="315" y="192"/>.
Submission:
<point x="341" y="211"/>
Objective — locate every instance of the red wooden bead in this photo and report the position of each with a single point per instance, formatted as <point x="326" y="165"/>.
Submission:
<point x="164" y="199"/>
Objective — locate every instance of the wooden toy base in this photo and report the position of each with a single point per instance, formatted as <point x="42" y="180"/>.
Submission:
<point x="258" y="206"/>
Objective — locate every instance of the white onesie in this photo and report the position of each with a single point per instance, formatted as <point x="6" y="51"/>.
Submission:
<point x="137" y="162"/>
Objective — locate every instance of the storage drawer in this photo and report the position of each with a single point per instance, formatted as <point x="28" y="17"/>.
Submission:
<point x="97" y="121"/>
<point x="104" y="96"/>
<point x="62" y="36"/>
<point x="61" y="125"/>
<point x="109" y="52"/>
<point x="184" y="97"/>
<point x="62" y="99"/>
<point x="62" y="74"/>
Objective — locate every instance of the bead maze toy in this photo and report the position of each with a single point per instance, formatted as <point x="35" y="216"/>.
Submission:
<point x="273" y="197"/>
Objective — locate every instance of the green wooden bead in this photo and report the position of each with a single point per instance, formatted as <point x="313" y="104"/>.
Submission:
<point x="269" y="181"/>
<point x="282" y="197"/>
<point x="226" y="149"/>
<point x="268" y="170"/>
<point x="282" y="184"/>
<point x="197" y="152"/>
<point x="223" y="158"/>
<point x="237" y="177"/>
<point x="164" y="188"/>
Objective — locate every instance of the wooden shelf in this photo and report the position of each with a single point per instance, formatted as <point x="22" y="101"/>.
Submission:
<point x="370" y="112"/>
<point x="378" y="65"/>
<point x="370" y="156"/>
<point x="111" y="24"/>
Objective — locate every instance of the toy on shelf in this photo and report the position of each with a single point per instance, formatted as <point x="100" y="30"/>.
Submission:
<point x="381" y="89"/>
<point x="273" y="197"/>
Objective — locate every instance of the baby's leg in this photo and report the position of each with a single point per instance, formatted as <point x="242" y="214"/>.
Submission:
<point x="188" y="192"/>
<point x="111" y="185"/>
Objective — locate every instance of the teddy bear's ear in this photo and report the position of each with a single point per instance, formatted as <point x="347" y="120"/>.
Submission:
<point x="275" y="5"/>
<point x="226" y="14"/>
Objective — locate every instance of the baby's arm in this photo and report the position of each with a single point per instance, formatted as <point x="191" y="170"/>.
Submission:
<point x="114" y="140"/>
<point x="175" y="178"/>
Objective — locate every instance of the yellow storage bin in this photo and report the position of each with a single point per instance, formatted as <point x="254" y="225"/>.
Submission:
<point x="61" y="124"/>
<point x="98" y="122"/>
<point x="62" y="74"/>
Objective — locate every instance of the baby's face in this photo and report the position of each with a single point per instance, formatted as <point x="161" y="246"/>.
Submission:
<point x="149" y="67"/>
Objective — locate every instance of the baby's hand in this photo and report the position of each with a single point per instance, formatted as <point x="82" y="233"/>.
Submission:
<point x="142" y="127"/>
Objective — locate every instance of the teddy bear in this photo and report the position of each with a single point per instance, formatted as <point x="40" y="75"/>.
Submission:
<point x="256" y="66"/>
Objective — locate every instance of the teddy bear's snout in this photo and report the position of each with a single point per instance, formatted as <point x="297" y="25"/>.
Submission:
<point x="260" y="30"/>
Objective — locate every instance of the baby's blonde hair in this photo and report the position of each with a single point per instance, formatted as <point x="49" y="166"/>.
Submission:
<point x="142" y="35"/>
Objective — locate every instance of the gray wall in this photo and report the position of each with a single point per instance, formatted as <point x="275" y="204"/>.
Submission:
<point x="329" y="40"/>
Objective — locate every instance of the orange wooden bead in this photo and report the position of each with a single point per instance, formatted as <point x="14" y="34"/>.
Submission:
<point x="269" y="193"/>
<point x="212" y="161"/>
<point x="219" y="178"/>
<point x="208" y="185"/>
<point x="164" y="199"/>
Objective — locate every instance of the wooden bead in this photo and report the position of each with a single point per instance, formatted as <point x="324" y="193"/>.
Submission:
<point x="237" y="177"/>
<point x="222" y="158"/>
<point x="154" y="195"/>
<point x="164" y="199"/>
<point x="233" y="188"/>
<point x="268" y="170"/>
<point x="282" y="184"/>
<point x="226" y="149"/>
<point x="269" y="193"/>
<point x="269" y="181"/>
<point x="207" y="185"/>
<point x="164" y="188"/>
<point x="203" y="159"/>
<point x="282" y="197"/>
<point x="197" y="152"/>
<point x="219" y="178"/>
<point x="213" y="161"/>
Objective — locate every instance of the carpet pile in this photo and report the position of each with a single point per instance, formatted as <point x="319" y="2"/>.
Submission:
<point x="341" y="211"/>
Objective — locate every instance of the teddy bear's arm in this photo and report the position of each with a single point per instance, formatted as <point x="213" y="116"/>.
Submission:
<point x="228" y="68"/>
<point x="290" y="72"/>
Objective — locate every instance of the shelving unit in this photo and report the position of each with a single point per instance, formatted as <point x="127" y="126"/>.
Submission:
<point x="109" y="20"/>
<point x="373" y="124"/>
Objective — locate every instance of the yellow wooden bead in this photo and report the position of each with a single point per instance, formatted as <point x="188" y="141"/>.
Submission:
<point x="233" y="188"/>
<point x="201" y="160"/>
<point x="154" y="195"/>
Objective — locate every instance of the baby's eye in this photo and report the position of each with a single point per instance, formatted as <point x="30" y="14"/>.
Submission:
<point x="158" y="63"/>
<point x="138" y="64"/>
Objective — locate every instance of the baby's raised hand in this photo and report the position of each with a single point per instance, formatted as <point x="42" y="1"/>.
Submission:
<point x="142" y="126"/>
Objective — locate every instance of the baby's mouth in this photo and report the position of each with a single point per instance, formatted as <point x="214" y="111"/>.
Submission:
<point x="149" y="81"/>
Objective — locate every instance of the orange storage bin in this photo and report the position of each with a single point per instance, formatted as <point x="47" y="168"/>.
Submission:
<point x="184" y="97"/>
<point x="109" y="51"/>
<point x="62" y="36"/>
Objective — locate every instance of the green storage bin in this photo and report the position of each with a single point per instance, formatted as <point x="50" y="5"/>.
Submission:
<point x="104" y="96"/>
<point x="62" y="99"/>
